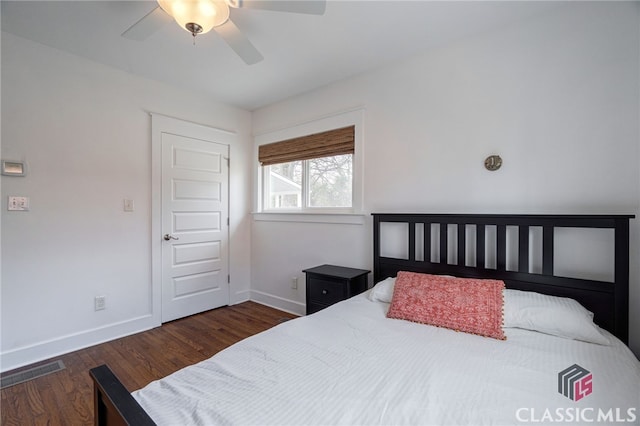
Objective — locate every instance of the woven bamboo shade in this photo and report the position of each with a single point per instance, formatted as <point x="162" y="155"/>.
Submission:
<point x="317" y="145"/>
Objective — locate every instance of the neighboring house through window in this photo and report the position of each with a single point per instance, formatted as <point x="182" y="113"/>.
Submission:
<point x="309" y="173"/>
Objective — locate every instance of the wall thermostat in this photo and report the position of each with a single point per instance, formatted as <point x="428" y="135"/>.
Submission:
<point x="12" y="168"/>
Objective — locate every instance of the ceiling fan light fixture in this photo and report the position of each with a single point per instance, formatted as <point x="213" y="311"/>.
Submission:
<point x="196" y="16"/>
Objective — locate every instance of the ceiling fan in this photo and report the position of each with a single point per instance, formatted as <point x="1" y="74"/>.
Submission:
<point x="200" y="16"/>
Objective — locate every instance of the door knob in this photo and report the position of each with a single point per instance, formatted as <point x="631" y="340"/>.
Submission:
<point x="168" y="237"/>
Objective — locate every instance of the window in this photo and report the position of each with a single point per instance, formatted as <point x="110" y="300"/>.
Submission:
<point x="309" y="173"/>
<point x="324" y="182"/>
<point x="283" y="189"/>
<point x="330" y="181"/>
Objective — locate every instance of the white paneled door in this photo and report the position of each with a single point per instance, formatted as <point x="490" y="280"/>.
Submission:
<point x="194" y="221"/>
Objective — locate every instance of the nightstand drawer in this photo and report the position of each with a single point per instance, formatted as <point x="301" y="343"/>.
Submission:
<point x="329" y="284"/>
<point x="325" y="292"/>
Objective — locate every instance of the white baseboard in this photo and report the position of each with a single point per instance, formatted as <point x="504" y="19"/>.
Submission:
<point x="26" y="355"/>
<point x="287" y="305"/>
<point x="41" y="351"/>
<point x="240" y="296"/>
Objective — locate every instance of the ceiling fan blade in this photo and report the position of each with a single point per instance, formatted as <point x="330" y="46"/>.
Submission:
<point x="311" y="7"/>
<point x="239" y="43"/>
<point x="149" y="24"/>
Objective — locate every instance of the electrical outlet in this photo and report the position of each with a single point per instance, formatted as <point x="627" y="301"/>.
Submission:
<point x="294" y="283"/>
<point x="100" y="303"/>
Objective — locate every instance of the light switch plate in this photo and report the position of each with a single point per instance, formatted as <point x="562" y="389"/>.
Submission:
<point x="128" y="205"/>
<point x="18" y="203"/>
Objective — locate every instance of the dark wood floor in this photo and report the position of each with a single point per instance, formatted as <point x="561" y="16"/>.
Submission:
<point x="66" y="398"/>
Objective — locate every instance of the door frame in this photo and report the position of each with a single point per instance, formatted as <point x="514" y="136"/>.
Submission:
<point x="164" y="124"/>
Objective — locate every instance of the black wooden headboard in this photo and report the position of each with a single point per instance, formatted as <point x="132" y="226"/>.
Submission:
<point x="440" y="244"/>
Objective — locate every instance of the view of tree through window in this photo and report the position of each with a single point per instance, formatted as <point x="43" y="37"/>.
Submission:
<point x="329" y="183"/>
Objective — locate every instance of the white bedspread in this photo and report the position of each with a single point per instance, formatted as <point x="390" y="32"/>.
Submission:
<point x="350" y="365"/>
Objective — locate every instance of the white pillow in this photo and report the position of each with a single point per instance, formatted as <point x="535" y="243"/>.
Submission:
<point x="559" y="316"/>
<point x="382" y="291"/>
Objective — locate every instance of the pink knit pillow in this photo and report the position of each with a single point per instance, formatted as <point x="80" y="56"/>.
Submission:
<point x="461" y="304"/>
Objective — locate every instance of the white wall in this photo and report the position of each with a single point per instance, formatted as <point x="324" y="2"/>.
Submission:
<point x="556" y="97"/>
<point x="85" y="134"/>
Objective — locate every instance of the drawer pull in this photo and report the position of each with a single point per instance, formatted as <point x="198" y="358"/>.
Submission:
<point x="325" y="291"/>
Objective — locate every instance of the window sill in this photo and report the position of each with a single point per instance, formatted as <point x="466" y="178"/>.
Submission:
<point x="338" y="218"/>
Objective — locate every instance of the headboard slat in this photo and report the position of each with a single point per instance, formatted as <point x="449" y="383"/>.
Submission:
<point x="501" y="247"/>
<point x="481" y="256"/>
<point x="412" y="241"/>
<point x="462" y="244"/>
<point x="427" y="241"/>
<point x="523" y="248"/>
<point x="444" y="240"/>
<point x="547" y="250"/>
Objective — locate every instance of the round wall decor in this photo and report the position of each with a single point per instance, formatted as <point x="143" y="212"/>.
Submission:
<point x="493" y="163"/>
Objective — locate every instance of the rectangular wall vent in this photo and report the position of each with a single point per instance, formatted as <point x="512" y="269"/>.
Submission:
<point x="31" y="373"/>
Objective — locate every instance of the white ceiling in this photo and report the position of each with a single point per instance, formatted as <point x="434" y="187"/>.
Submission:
<point x="302" y="52"/>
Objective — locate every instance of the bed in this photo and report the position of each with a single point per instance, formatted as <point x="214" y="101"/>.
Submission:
<point x="351" y="364"/>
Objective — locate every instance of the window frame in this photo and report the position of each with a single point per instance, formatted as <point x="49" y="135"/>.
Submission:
<point x="354" y="117"/>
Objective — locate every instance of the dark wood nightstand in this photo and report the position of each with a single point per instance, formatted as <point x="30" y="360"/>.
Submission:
<point x="329" y="284"/>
